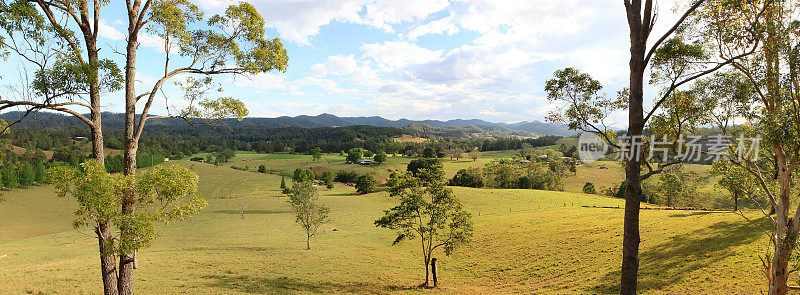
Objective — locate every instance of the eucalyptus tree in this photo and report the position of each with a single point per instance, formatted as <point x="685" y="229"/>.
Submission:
<point x="58" y="40"/>
<point x="308" y="211"/>
<point x="675" y="59"/>
<point x="231" y="43"/>
<point x="764" y="91"/>
<point x="427" y="210"/>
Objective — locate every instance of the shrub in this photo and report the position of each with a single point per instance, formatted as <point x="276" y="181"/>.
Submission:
<point x="262" y="169"/>
<point x="588" y="188"/>
<point x="346" y="176"/>
<point x="472" y="177"/>
<point x="327" y="176"/>
<point x="620" y="192"/>
<point x="365" y="184"/>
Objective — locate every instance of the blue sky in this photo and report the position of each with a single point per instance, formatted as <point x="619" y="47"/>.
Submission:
<point x="415" y="59"/>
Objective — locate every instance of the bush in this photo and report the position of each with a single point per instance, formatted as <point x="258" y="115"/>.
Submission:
<point x="620" y="192"/>
<point x="472" y="177"/>
<point x="365" y="184"/>
<point x="588" y="188"/>
<point x="346" y="176"/>
<point x="327" y="176"/>
<point x="380" y="157"/>
<point x="262" y="169"/>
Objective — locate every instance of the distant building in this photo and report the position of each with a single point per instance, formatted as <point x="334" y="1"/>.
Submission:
<point x="366" y="162"/>
<point x="79" y="138"/>
<point x="524" y="161"/>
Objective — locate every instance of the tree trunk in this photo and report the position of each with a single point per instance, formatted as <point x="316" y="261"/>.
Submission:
<point x="127" y="256"/>
<point x="633" y="187"/>
<point x="435" y="274"/>
<point x="108" y="261"/>
<point x="785" y="234"/>
<point x="308" y="242"/>
<point x="427" y="272"/>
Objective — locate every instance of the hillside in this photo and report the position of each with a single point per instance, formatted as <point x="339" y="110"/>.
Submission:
<point x="525" y="242"/>
<point x="114" y="121"/>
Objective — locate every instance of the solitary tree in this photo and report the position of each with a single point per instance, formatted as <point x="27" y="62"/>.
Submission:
<point x="427" y="210"/>
<point x="354" y="155"/>
<point x="380" y="157"/>
<point x="316" y="154"/>
<point x="309" y="212"/>
<point x="474" y="154"/>
<point x="588" y="188"/>
<point x="365" y="184"/>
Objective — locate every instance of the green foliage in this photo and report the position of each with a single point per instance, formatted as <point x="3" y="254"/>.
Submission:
<point x="222" y="153"/>
<point x="346" y="176"/>
<point x="368" y="154"/>
<point x="27" y="175"/>
<point x="316" y="154"/>
<point x="328" y="177"/>
<point x="365" y="184"/>
<point x="428" y="152"/>
<point x="164" y="193"/>
<point x="428" y="210"/>
<point x="620" y="192"/>
<point x="670" y="187"/>
<point x="586" y="106"/>
<point x="426" y="167"/>
<point x="10" y="176"/>
<point x="115" y="163"/>
<point x="510" y="174"/>
<point x="283" y="183"/>
<point x="262" y="169"/>
<point x="380" y="157"/>
<point x="309" y="212"/>
<point x="40" y="172"/>
<point x="303" y="175"/>
<point x="145" y="160"/>
<point x="354" y="155"/>
<point x="470" y="177"/>
<point x="588" y="188"/>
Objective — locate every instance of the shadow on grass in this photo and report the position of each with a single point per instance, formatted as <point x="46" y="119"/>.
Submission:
<point x="698" y="213"/>
<point x="237" y="212"/>
<point x="670" y="262"/>
<point x="286" y="285"/>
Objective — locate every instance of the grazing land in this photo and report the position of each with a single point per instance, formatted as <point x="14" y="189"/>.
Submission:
<point x="245" y="241"/>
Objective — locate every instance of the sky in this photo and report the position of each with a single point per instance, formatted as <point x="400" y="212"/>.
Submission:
<point x="414" y="59"/>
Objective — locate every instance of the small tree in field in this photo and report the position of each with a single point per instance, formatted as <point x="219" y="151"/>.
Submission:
<point x="316" y="154"/>
<point x="309" y="213"/>
<point x="474" y="155"/>
<point x="588" y="188"/>
<point x="262" y="169"/>
<point x="365" y="184"/>
<point x="427" y="210"/>
<point x="380" y="157"/>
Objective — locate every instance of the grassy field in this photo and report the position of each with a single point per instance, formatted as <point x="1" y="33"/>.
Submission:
<point x="525" y="242"/>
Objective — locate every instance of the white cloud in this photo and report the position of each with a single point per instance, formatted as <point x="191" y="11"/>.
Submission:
<point x="397" y="54"/>
<point x="299" y="20"/>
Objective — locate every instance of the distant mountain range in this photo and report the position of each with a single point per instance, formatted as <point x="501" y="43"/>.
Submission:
<point x="114" y="121"/>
